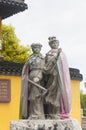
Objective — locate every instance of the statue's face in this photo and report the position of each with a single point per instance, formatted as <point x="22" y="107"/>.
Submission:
<point x="54" y="45"/>
<point x="36" y="49"/>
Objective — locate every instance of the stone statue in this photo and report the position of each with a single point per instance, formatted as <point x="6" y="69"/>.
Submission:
<point x="32" y="101"/>
<point x="58" y="96"/>
<point x="46" y="89"/>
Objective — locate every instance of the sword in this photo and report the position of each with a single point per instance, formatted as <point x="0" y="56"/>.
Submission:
<point x="37" y="85"/>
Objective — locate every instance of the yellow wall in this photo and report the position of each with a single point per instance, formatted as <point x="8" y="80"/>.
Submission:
<point x="76" y="113"/>
<point x="10" y="111"/>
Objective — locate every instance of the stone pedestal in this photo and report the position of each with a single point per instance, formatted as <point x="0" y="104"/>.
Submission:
<point x="67" y="124"/>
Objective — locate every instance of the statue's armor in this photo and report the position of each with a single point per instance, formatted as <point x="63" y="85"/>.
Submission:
<point x="36" y="66"/>
<point x="36" y="62"/>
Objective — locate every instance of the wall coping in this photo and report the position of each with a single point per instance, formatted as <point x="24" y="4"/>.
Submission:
<point x="15" y="69"/>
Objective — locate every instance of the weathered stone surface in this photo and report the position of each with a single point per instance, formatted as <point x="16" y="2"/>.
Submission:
<point x="83" y="123"/>
<point x="67" y="124"/>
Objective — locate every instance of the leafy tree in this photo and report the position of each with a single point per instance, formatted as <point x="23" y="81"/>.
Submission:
<point x="83" y="102"/>
<point x="12" y="50"/>
<point x="85" y="84"/>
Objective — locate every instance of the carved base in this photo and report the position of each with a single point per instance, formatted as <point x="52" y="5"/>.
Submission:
<point x="67" y="124"/>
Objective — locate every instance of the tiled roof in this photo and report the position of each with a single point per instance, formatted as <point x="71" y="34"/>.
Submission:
<point x="75" y="74"/>
<point x="10" y="7"/>
<point x="11" y="68"/>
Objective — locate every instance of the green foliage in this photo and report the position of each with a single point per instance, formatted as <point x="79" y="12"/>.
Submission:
<point x="20" y="112"/>
<point x="85" y="84"/>
<point x="83" y="102"/>
<point x="12" y="51"/>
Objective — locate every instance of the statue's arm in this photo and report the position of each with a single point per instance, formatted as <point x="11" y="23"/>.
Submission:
<point x="52" y="62"/>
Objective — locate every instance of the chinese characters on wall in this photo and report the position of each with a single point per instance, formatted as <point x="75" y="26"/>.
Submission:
<point x="5" y="90"/>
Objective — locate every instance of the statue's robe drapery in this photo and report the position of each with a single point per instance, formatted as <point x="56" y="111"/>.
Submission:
<point x="64" y="81"/>
<point x="24" y="91"/>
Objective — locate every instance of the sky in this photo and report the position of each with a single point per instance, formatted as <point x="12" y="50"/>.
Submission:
<point x="65" y="19"/>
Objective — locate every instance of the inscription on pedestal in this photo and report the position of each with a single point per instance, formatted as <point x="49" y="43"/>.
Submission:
<point x="5" y="90"/>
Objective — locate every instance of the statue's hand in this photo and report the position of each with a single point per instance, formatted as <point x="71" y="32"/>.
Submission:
<point x="36" y="79"/>
<point x="44" y="94"/>
<point x="60" y="49"/>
